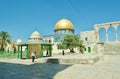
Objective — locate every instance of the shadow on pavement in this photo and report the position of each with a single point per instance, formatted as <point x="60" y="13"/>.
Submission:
<point x="53" y="60"/>
<point x="33" y="71"/>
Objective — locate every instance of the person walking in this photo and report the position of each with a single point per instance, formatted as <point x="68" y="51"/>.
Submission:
<point x="47" y="53"/>
<point x="63" y="53"/>
<point x="33" y="56"/>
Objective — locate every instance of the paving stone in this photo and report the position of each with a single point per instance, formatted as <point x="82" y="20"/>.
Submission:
<point x="109" y="68"/>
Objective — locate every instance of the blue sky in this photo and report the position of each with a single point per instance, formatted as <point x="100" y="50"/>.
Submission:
<point x="21" y="17"/>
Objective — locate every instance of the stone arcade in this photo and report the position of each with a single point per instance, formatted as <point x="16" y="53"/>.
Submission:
<point x="92" y="39"/>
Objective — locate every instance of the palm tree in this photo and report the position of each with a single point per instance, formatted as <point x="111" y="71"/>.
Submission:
<point x="4" y="39"/>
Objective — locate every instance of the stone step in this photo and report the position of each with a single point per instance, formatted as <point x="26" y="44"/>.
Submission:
<point x="73" y="61"/>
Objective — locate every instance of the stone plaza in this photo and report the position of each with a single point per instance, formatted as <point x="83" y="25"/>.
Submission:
<point x="108" y="68"/>
<point x="100" y="60"/>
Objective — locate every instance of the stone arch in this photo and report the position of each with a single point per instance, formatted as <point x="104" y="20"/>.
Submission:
<point x="102" y="34"/>
<point x="111" y="34"/>
<point x="118" y="30"/>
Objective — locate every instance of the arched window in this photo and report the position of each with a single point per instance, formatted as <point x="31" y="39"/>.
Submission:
<point x="63" y="31"/>
<point x="102" y="35"/>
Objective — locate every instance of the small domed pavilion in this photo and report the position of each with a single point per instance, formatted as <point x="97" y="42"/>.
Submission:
<point x="34" y="44"/>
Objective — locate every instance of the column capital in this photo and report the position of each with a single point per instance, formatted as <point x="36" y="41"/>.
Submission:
<point x="97" y="29"/>
<point x="115" y="25"/>
<point x="107" y="26"/>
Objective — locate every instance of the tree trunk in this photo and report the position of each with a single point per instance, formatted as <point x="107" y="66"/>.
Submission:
<point x="2" y="45"/>
<point x="72" y="50"/>
<point x="81" y="49"/>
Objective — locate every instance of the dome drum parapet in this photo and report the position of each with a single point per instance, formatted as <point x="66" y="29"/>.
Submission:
<point x="64" y="31"/>
<point x="35" y="38"/>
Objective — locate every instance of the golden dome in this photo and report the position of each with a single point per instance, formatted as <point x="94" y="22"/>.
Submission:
<point x="64" y="24"/>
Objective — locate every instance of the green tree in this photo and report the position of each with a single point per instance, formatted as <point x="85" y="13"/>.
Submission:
<point x="61" y="46"/>
<point x="4" y="39"/>
<point x="70" y="42"/>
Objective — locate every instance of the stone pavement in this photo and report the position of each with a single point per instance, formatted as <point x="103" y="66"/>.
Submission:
<point x="25" y="69"/>
<point x="107" y="69"/>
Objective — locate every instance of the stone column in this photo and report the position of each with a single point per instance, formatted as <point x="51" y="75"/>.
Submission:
<point x="97" y="34"/>
<point x="106" y="35"/>
<point x="116" y="32"/>
<point x="106" y="29"/>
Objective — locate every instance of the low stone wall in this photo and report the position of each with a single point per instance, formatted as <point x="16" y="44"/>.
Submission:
<point x="76" y="59"/>
<point x="112" y="48"/>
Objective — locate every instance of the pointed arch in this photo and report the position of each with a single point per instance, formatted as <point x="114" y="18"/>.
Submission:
<point x="118" y="30"/>
<point x="111" y="34"/>
<point x="102" y="34"/>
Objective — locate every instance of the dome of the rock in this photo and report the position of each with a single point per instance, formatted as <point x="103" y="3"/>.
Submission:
<point x="63" y="24"/>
